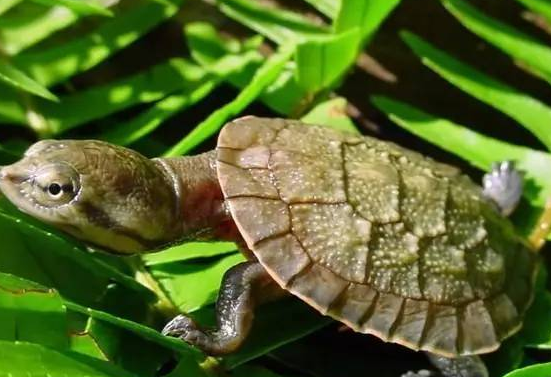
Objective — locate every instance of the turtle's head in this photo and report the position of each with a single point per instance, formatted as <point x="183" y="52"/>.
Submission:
<point x="101" y="193"/>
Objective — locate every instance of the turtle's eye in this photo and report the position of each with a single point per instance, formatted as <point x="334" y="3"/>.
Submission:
<point x="54" y="189"/>
<point x="55" y="184"/>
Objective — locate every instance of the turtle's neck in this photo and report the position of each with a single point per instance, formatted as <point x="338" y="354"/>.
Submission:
<point x="202" y="213"/>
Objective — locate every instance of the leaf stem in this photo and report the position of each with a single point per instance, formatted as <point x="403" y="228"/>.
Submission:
<point x="164" y="304"/>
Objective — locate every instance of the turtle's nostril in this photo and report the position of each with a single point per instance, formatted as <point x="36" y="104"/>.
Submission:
<point x="7" y="175"/>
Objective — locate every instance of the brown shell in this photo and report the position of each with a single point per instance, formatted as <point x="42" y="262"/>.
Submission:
<point x="378" y="237"/>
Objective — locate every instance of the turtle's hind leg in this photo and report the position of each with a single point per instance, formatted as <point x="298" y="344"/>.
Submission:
<point x="503" y="184"/>
<point x="462" y="366"/>
<point x="239" y="293"/>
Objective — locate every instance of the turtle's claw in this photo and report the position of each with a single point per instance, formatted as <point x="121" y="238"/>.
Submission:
<point x="186" y="329"/>
<point x="179" y="327"/>
<point x="503" y="184"/>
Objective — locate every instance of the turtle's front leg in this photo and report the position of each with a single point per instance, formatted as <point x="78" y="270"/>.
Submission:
<point x="243" y="286"/>
<point x="503" y="184"/>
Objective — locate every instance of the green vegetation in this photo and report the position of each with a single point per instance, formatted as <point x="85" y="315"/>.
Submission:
<point x="69" y="310"/>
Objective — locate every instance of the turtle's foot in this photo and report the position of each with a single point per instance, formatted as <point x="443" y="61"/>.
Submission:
<point x="421" y="373"/>
<point x="503" y="184"/>
<point x="240" y="287"/>
<point x="210" y="342"/>
<point x="463" y="366"/>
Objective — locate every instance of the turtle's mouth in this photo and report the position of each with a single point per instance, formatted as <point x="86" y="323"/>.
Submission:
<point x="18" y="189"/>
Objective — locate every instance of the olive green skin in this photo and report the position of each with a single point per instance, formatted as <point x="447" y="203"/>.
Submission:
<point x="381" y="238"/>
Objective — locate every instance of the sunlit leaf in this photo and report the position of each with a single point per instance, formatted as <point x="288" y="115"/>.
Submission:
<point x="189" y="250"/>
<point x="57" y="64"/>
<point x="206" y="45"/>
<point x="275" y="24"/>
<point x="331" y="113"/>
<point x="520" y="46"/>
<point x="82" y="7"/>
<point x="55" y="262"/>
<point x="537" y="370"/>
<point x="33" y="360"/>
<point x="6" y="5"/>
<point x="138" y="329"/>
<point x="152" y="118"/>
<point x="11" y="111"/>
<point x="322" y="61"/>
<point x="479" y="150"/>
<point x="193" y="284"/>
<point x="542" y="7"/>
<point x="32" y="25"/>
<point x="12" y="76"/>
<point x="149" y="120"/>
<point x="284" y="95"/>
<point x="147" y="86"/>
<point x="527" y="111"/>
<point x="365" y="15"/>
<point x="21" y="303"/>
<point x="327" y="7"/>
<point x="265" y="75"/>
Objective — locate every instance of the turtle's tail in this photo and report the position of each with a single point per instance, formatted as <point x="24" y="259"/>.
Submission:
<point x="542" y="229"/>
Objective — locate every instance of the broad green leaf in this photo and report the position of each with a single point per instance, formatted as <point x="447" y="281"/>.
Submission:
<point x="81" y="7"/>
<point x="542" y="7"/>
<point x="322" y="61"/>
<point x="142" y="331"/>
<point x="527" y="111"/>
<point x="124" y="348"/>
<point x="84" y="342"/>
<point x="147" y="86"/>
<point x="520" y="46"/>
<point x="328" y="8"/>
<point x="276" y="324"/>
<point x="42" y="256"/>
<point x="331" y="113"/>
<point x="59" y="63"/>
<point x="32" y="24"/>
<point x="365" y="15"/>
<point x="187" y="251"/>
<point x="31" y="313"/>
<point x="479" y="150"/>
<point x="6" y="5"/>
<point x="33" y="360"/>
<point x="17" y="79"/>
<point x="193" y="284"/>
<point x="280" y="26"/>
<point x="265" y="75"/>
<point x="537" y="370"/>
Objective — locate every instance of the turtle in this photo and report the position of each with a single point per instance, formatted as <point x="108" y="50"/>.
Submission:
<point x="381" y="238"/>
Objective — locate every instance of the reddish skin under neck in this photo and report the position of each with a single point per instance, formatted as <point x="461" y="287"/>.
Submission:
<point x="203" y="214"/>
